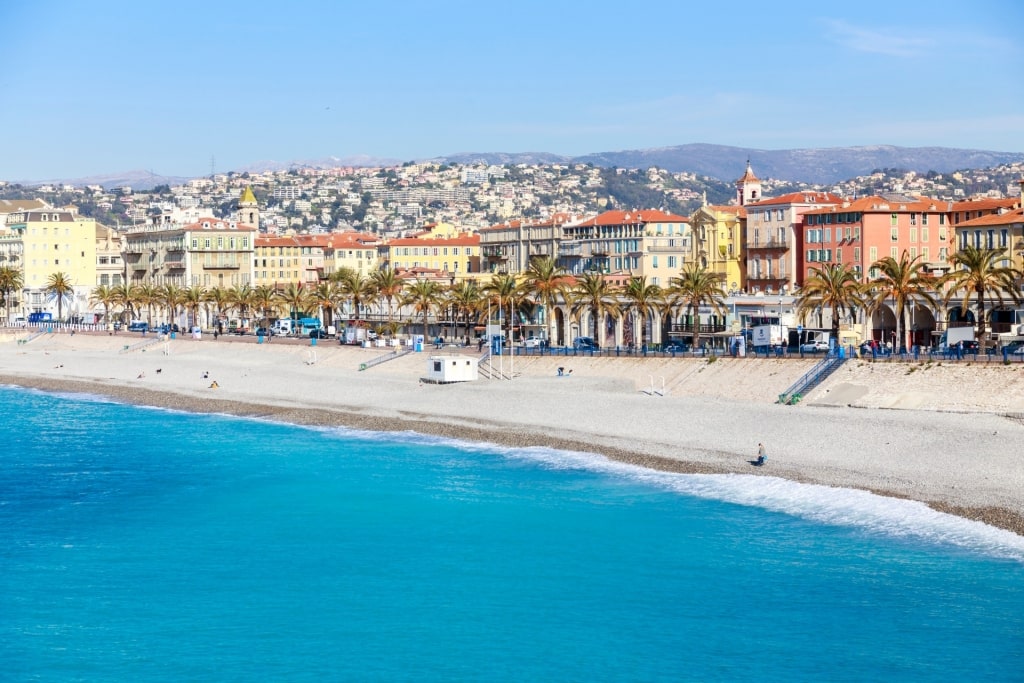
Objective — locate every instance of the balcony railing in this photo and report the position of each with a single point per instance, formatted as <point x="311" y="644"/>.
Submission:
<point x="686" y="328"/>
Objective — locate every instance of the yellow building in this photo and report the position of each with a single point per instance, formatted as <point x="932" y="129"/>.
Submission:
<point x="48" y="242"/>
<point x="458" y="256"/>
<point x="717" y="242"/>
<point x="308" y="259"/>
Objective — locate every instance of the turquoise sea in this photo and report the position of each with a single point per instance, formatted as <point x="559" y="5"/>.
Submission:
<point x="145" y="545"/>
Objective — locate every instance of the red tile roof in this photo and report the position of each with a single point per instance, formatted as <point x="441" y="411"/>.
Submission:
<point x="798" y="198"/>
<point x="630" y="217"/>
<point x="875" y="204"/>
<point x="1015" y="216"/>
<point x="464" y="239"/>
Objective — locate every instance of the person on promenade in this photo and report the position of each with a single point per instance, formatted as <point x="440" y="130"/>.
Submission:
<point x="762" y="455"/>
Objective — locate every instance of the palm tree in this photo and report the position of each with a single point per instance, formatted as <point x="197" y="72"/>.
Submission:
<point x="388" y="286"/>
<point x="105" y="296"/>
<point x="127" y="297"/>
<point x="424" y="296"/>
<point x="975" y="271"/>
<point x="546" y="281"/>
<point x="696" y="286"/>
<point x="219" y="297"/>
<point x="355" y="289"/>
<point x="503" y="289"/>
<point x="642" y="300"/>
<point x="172" y="297"/>
<point x="296" y="298"/>
<point x="834" y="286"/>
<point x="148" y="295"/>
<point x="240" y="298"/>
<point x="595" y="294"/>
<point x="192" y="298"/>
<point x="60" y="288"/>
<point x="265" y="300"/>
<point x="903" y="281"/>
<point x="325" y="297"/>
<point x="11" y="280"/>
<point x="465" y="298"/>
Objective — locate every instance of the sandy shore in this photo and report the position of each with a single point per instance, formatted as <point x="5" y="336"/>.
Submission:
<point x="944" y="434"/>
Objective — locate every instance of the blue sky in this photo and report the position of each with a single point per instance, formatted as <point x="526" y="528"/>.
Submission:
<point x="104" y="87"/>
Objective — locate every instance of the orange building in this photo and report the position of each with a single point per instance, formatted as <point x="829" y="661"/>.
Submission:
<point x="859" y="232"/>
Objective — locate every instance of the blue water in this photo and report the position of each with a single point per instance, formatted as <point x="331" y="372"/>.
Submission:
<point x="145" y="545"/>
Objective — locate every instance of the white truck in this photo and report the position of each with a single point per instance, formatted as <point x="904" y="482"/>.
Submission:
<point x="769" y="335"/>
<point x="954" y="335"/>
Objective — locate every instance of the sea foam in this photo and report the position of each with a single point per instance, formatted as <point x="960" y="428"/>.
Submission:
<point x="837" y="506"/>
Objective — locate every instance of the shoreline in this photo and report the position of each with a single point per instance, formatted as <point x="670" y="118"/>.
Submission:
<point x="888" y="452"/>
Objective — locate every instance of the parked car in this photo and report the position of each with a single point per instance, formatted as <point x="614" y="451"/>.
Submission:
<point x="533" y="342"/>
<point x="814" y="346"/>
<point x="676" y="347"/>
<point x="265" y="331"/>
<point x="585" y="344"/>
<point x="138" y="326"/>
<point x="318" y="334"/>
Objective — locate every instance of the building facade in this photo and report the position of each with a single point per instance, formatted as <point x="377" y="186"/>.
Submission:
<point x="771" y="237"/>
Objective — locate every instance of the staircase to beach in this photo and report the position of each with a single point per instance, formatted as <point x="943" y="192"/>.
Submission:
<point x="811" y="379"/>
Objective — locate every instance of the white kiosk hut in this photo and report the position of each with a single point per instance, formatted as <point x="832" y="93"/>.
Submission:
<point x="448" y="369"/>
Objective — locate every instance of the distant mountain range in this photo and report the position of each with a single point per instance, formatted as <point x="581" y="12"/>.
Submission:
<point x="816" y="166"/>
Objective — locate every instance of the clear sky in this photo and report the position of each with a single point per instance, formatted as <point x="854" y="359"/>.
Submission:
<point x="102" y="87"/>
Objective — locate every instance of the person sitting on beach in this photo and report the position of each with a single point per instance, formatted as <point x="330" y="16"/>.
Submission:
<point x="561" y="371"/>
<point x="762" y="455"/>
<point x="206" y="375"/>
<point x="214" y="385"/>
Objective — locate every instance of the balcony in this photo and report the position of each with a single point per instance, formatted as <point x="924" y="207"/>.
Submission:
<point x="221" y="266"/>
<point x="772" y="243"/>
<point x="687" y="328"/>
<point x="175" y="264"/>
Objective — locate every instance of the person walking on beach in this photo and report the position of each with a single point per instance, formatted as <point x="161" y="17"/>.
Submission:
<point x="762" y="455"/>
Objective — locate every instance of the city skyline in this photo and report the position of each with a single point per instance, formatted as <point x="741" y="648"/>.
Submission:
<point x="111" y="86"/>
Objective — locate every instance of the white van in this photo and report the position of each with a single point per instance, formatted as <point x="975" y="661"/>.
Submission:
<point x="284" y="326"/>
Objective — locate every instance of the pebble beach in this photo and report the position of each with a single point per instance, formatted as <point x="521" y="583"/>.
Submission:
<point x="945" y="434"/>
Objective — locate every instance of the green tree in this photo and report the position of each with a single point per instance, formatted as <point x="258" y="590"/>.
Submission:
<point x="241" y="299"/>
<point x="147" y="295"/>
<point x="172" y="298"/>
<point x="546" y="282"/>
<point x="642" y="300"/>
<point x="835" y="287"/>
<point x="695" y="287"/>
<point x="325" y="296"/>
<point x="976" y="273"/>
<point x="598" y="296"/>
<point x="903" y="281"/>
<point x="504" y="290"/>
<point x="296" y="299"/>
<point x="387" y="286"/>
<point x="265" y="300"/>
<point x="105" y="296"/>
<point x="59" y="288"/>
<point x="11" y="280"/>
<point x="424" y="296"/>
<point x="220" y="299"/>
<point x="465" y="298"/>
<point x="192" y="299"/>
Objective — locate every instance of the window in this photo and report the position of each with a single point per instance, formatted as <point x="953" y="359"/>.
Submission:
<point x="873" y="254"/>
<point x="828" y="235"/>
<point x="455" y="251"/>
<point x="206" y="243"/>
<point x="913" y="235"/>
<point x="924" y="234"/>
<point x="913" y="253"/>
<point x="856" y="254"/>
<point x="894" y="234"/>
<point x="780" y="214"/>
<point x="942" y="219"/>
<point x="1004" y="238"/>
<point x="894" y="219"/>
<point x="810" y="255"/>
<point x="913" y="218"/>
<point x="892" y="252"/>
<point x="990" y="239"/>
<point x="654" y="261"/>
<point x="924" y="254"/>
<point x="924" y="219"/>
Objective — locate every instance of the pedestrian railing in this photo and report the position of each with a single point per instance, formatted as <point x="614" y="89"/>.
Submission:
<point x="397" y="353"/>
<point x="142" y="345"/>
<point x="810" y="379"/>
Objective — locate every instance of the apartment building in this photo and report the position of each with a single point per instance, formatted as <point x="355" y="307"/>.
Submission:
<point x="44" y="243"/>
<point x="1003" y="230"/>
<point x="717" y="242"/>
<point x="208" y="253"/>
<point x="648" y="243"/>
<point x="770" y="248"/>
<point x="859" y="232"/>
<point x="459" y="255"/>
